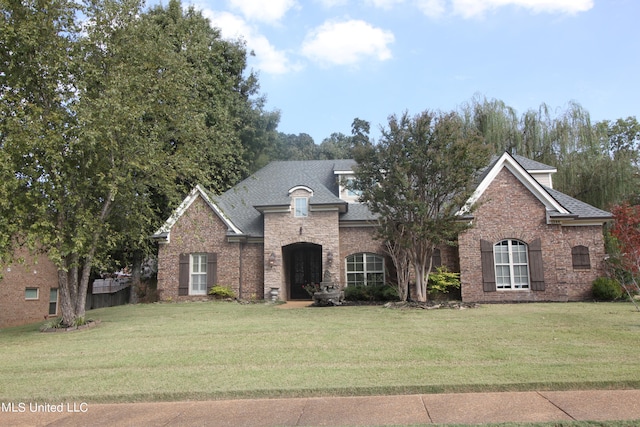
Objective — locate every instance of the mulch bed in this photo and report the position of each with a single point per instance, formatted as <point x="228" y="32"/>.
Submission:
<point x="90" y="324"/>
<point x="432" y="305"/>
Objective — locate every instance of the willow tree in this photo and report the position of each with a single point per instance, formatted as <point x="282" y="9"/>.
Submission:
<point x="416" y="179"/>
<point x="592" y="165"/>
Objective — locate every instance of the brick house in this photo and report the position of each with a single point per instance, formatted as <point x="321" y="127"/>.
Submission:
<point x="291" y="223"/>
<point x="28" y="290"/>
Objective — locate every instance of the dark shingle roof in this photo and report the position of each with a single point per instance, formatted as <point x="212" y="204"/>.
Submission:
<point x="580" y="209"/>
<point x="270" y="187"/>
<point x="531" y="165"/>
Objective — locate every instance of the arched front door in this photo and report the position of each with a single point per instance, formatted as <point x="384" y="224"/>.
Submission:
<point x="304" y="264"/>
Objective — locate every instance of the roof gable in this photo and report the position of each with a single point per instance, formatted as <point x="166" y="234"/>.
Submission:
<point x="509" y="162"/>
<point x="198" y="191"/>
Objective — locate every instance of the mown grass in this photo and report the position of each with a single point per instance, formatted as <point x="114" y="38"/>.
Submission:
<point x="215" y="350"/>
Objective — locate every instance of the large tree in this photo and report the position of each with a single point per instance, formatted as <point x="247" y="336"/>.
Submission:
<point x="416" y="179"/>
<point x="597" y="162"/>
<point x="106" y="126"/>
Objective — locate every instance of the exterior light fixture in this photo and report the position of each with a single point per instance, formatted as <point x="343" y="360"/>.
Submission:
<point x="272" y="259"/>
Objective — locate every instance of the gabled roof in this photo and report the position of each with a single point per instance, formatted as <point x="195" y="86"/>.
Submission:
<point x="560" y="207"/>
<point x="241" y="207"/>
<point x="198" y="191"/>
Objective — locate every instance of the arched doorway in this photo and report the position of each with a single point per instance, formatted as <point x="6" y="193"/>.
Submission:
<point x="303" y="265"/>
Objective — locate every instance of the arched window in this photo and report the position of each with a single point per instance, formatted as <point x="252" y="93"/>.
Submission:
<point x="365" y="270"/>
<point x="512" y="265"/>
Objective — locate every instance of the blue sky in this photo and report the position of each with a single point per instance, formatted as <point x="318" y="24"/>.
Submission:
<point x="322" y="63"/>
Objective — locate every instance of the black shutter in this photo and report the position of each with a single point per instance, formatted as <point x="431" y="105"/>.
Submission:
<point x="436" y="259"/>
<point x="183" y="275"/>
<point x="536" y="269"/>
<point x="212" y="270"/>
<point x="488" y="267"/>
<point x="580" y="257"/>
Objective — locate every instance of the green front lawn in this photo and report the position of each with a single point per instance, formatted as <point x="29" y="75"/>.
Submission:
<point x="215" y="350"/>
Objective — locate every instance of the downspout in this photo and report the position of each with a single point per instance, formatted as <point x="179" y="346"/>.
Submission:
<point x="240" y="247"/>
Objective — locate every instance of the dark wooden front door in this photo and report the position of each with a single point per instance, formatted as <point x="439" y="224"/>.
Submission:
<point x="305" y="267"/>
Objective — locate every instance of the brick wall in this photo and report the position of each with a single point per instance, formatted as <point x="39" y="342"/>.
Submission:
<point x="509" y="211"/>
<point x="284" y="228"/>
<point x="199" y="229"/>
<point x="354" y="240"/>
<point x="36" y="272"/>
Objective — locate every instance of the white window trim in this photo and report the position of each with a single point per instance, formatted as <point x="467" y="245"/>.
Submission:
<point x="32" y="288"/>
<point x="365" y="271"/>
<point x="512" y="286"/>
<point x="56" y="301"/>
<point x="296" y="212"/>
<point x="192" y="291"/>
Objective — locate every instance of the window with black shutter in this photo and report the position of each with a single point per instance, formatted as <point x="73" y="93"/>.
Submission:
<point x="488" y="268"/>
<point x="198" y="273"/>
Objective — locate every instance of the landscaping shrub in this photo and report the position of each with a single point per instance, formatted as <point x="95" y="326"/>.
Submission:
<point x="606" y="289"/>
<point x="222" y="292"/>
<point x="443" y="283"/>
<point x="371" y="293"/>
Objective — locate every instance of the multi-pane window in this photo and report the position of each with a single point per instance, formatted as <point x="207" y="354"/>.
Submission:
<point x="198" y="282"/>
<point x="301" y="206"/>
<point x="512" y="267"/>
<point x="53" y="302"/>
<point x="365" y="269"/>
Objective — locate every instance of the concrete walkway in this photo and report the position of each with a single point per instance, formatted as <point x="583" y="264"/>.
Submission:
<point x="465" y="408"/>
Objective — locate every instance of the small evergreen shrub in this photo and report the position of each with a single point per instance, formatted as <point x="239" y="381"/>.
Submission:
<point x="222" y="292"/>
<point x="381" y="293"/>
<point x="442" y="282"/>
<point x="52" y="324"/>
<point x="606" y="289"/>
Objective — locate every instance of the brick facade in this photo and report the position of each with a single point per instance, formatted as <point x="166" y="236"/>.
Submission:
<point x="282" y="229"/>
<point x="287" y="251"/>
<point x="355" y="240"/>
<point x="200" y="230"/>
<point x="35" y="272"/>
<point x="508" y="210"/>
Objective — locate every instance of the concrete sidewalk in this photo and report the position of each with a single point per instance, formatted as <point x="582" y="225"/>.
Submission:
<point x="465" y="408"/>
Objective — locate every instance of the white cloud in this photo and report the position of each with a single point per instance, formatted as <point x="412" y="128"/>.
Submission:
<point x="269" y="59"/>
<point x="475" y="8"/>
<point x="432" y="8"/>
<point x="383" y="4"/>
<point x="332" y="3"/>
<point x="347" y="43"/>
<point x="264" y="11"/>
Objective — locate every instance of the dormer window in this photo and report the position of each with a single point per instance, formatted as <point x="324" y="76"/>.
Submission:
<point x="301" y="206"/>
<point x="350" y="191"/>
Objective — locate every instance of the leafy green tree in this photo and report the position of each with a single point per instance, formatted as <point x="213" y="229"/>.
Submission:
<point x="105" y="127"/>
<point x="337" y="146"/>
<point x="416" y="179"/>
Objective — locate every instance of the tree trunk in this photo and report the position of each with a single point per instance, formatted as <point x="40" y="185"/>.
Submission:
<point x="66" y="305"/>
<point x="403" y="267"/>
<point x="136" y="273"/>
<point x="422" y="266"/>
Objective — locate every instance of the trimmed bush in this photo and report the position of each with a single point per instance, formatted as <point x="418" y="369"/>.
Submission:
<point x="443" y="283"/>
<point x="606" y="289"/>
<point x="371" y="293"/>
<point x="222" y="292"/>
